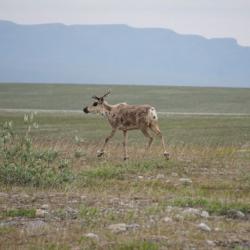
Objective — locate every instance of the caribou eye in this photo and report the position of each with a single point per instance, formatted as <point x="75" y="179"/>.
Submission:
<point x="95" y="104"/>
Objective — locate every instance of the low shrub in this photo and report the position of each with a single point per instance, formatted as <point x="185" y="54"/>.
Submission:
<point x="22" y="164"/>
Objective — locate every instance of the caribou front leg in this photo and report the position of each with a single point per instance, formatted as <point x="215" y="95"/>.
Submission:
<point x="101" y="152"/>
<point x="147" y="134"/>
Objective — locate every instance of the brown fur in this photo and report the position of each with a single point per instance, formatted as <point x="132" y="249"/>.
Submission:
<point x="127" y="117"/>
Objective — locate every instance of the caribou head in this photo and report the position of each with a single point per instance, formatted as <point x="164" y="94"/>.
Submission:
<point x="97" y="105"/>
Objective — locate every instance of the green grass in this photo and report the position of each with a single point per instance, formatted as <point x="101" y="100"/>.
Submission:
<point x="212" y="206"/>
<point x="138" y="245"/>
<point x="171" y="99"/>
<point x="29" y="213"/>
<point x="209" y="130"/>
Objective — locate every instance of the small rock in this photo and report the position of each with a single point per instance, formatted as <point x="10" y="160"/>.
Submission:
<point x="83" y="197"/>
<point x="174" y="174"/>
<point x="72" y="213"/>
<point x="240" y="214"/>
<point x="217" y="229"/>
<point x="210" y="243"/>
<point x="45" y="207"/>
<point x="191" y="211"/>
<point x="167" y="219"/>
<point x="185" y="180"/>
<point x="179" y="217"/>
<point x="133" y="226"/>
<point x="235" y="214"/>
<point x="118" y="228"/>
<point x="24" y="196"/>
<point x="35" y="228"/>
<point x="73" y="201"/>
<point x="204" y="227"/>
<point x="41" y="212"/>
<point x="4" y="195"/>
<point x="205" y="214"/>
<point x="169" y="209"/>
<point x="160" y="176"/>
<point x="140" y="177"/>
<point x="92" y="236"/>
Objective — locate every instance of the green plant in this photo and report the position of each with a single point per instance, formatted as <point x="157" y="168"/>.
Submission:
<point x="138" y="245"/>
<point x="29" y="213"/>
<point x="22" y="164"/>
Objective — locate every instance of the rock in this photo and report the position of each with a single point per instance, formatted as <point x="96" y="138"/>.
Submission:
<point x="122" y="227"/>
<point x="45" y="207"/>
<point x="191" y="211"/>
<point x="205" y="214"/>
<point x="140" y="177"/>
<point x="210" y="243"/>
<point x="169" y="209"/>
<point x="118" y="228"/>
<point x="133" y="226"/>
<point x="92" y="236"/>
<point x="235" y="214"/>
<point x="72" y="213"/>
<point x="24" y="196"/>
<point x="185" y="181"/>
<point x="179" y="217"/>
<point x="167" y="219"/>
<point x="35" y="228"/>
<point x="160" y="176"/>
<point x="83" y="197"/>
<point x="3" y="195"/>
<point x="41" y="212"/>
<point x="8" y="223"/>
<point x="204" y="227"/>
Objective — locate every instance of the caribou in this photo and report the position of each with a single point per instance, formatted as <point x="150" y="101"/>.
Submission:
<point x="125" y="117"/>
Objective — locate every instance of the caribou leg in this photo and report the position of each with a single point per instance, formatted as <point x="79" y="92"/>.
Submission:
<point x="155" y="128"/>
<point x="101" y="152"/>
<point x="125" y="141"/>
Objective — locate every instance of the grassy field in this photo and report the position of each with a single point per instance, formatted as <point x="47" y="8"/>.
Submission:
<point x="166" y="99"/>
<point x="56" y="194"/>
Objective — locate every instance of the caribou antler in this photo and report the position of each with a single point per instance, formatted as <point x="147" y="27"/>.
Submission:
<point x="108" y="92"/>
<point x="99" y="98"/>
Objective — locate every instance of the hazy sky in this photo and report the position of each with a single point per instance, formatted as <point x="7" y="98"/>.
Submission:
<point x="210" y="18"/>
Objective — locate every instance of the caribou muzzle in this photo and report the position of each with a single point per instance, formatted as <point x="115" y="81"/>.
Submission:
<point x="85" y="110"/>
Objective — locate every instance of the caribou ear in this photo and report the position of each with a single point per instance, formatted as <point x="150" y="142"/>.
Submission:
<point x="95" y="97"/>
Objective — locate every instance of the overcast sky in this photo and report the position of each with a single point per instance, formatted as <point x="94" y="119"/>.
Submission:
<point x="210" y="18"/>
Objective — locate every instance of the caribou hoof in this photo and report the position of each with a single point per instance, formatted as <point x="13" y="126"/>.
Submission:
<point x="100" y="153"/>
<point x="125" y="158"/>
<point x="166" y="155"/>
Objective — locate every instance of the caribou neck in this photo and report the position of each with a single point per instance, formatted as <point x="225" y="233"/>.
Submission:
<point x="107" y="106"/>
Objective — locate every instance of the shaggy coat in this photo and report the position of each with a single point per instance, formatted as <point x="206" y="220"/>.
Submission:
<point x="127" y="117"/>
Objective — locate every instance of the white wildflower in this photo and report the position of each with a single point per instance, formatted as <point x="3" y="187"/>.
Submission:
<point x="26" y="118"/>
<point x="77" y="139"/>
<point x="31" y="116"/>
<point x="35" y="125"/>
<point x="10" y="124"/>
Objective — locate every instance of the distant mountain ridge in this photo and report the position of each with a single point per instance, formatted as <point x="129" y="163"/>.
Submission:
<point x="119" y="54"/>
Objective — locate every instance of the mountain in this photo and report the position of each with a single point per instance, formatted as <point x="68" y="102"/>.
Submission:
<point x="119" y="54"/>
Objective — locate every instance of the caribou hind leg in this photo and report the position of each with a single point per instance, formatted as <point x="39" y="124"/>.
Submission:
<point x="125" y="142"/>
<point x="155" y="128"/>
